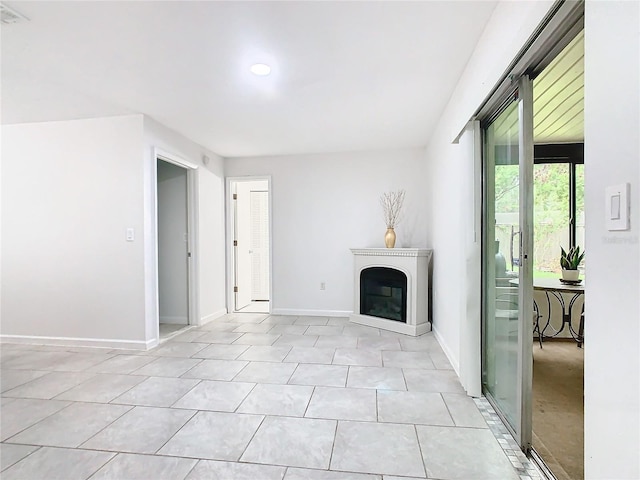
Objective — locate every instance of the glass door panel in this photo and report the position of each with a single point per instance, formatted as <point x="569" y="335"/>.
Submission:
<point x="501" y="272"/>
<point x="507" y="272"/>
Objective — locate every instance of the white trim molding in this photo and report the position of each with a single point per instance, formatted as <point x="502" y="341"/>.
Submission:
<point x="212" y="316"/>
<point x="175" y="320"/>
<point x="79" y="342"/>
<point x="310" y="313"/>
<point x="152" y="319"/>
<point x="158" y="153"/>
<point x="392" y="252"/>
<point x="447" y="351"/>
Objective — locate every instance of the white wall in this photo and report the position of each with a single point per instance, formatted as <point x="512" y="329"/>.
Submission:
<point x="508" y="29"/>
<point x="69" y="192"/>
<point x="211" y="227"/>
<point x="612" y="314"/>
<point x="172" y="244"/>
<point x="323" y="205"/>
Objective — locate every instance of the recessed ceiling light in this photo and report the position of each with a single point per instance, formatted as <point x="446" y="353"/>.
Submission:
<point x="260" y="69"/>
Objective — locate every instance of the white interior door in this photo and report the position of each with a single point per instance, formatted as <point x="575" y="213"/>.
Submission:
<point x="251" y="250"/>
<point x="259" y="245"/>
<point x="242" y="244"/>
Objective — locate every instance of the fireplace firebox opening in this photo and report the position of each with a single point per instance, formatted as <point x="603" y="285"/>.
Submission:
<point x="383" y="293"/>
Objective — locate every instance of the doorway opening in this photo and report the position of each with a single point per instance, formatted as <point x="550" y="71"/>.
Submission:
<point x="533" y="204"/>
<point x="558" y="208"/>
<point x="176" y="310"/>
<point x="250" y="227"/>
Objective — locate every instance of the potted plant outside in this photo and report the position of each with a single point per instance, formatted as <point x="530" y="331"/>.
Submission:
<point x="570" y="261"/>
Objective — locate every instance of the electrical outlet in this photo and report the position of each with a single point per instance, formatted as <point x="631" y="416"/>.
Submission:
<point x="323" y="286"/>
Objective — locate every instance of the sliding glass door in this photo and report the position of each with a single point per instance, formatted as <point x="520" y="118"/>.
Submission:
<point x="507" y="260"/>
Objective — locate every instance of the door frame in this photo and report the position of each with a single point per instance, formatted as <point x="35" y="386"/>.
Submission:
<point x="563" y="21"/>
<point x="193" y="290"/>
<point x="229" y="207"/>
<point x="525" y="292"/>
<point x="522" y="94"/>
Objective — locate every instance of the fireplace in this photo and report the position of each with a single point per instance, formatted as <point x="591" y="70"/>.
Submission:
<point x="391" y="289"/>
<point x="383" y="293"/>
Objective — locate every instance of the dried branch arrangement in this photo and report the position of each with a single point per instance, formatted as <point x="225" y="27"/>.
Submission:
<point x="391" y="205"/>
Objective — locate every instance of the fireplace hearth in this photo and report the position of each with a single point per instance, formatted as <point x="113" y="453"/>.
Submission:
<point x="392" y="289"/>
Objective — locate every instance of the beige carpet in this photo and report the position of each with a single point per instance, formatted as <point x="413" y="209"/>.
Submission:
<point x="558" y="407"/>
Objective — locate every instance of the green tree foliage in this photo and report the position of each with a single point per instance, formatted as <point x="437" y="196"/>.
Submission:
<point x="550" y="213"/>
<point x="507" y="191"/>
<point x="550" y="208"/>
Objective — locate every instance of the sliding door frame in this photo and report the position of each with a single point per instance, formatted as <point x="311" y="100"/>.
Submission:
<point x="521" y="425"/>
<point x="563" y="22"/>
<point x="525" y="292"/>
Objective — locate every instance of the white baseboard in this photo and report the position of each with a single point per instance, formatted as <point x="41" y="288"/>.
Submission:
<point x="212" y="316"/>
<point x="79" y="342"/>
<point x="311" y="313"/>
<point x="455" y="362"/>
<point x="175" y="320"/>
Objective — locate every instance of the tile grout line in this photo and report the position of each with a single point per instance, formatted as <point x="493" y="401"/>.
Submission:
<point x="333" y="444"/>
<point x="195" y="412"/>
<point x="71" y="402"/>
<point x="235" y="410"/>
<point x="4" y="394"/>
<point x="422" y="456"/>
<point x="446" y="405"/>
<point x="188" y="392"/>
<point x="244" y="450"/>
<point x="306" y="408"/>
<point x="106" y="426"/>
<point x="38" y="447"/>
<point x="191" y="469"/>
<point x="115" y="454"/>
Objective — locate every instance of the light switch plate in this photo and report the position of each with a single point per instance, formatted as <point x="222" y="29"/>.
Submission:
<point x="131" y="236"/>
<point x="617" y="207"/>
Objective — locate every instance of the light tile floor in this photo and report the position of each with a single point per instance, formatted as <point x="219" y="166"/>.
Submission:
<point x="249" y="396"/>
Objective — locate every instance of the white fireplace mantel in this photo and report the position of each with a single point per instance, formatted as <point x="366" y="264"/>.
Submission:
<point x="414" y="263"/>
<point x="392" y="252"/>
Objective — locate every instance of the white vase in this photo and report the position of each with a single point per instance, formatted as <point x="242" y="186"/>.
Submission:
<point x="570" y="275"/>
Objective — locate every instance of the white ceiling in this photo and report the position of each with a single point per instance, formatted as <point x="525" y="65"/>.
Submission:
<point x="346" y="75"/>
